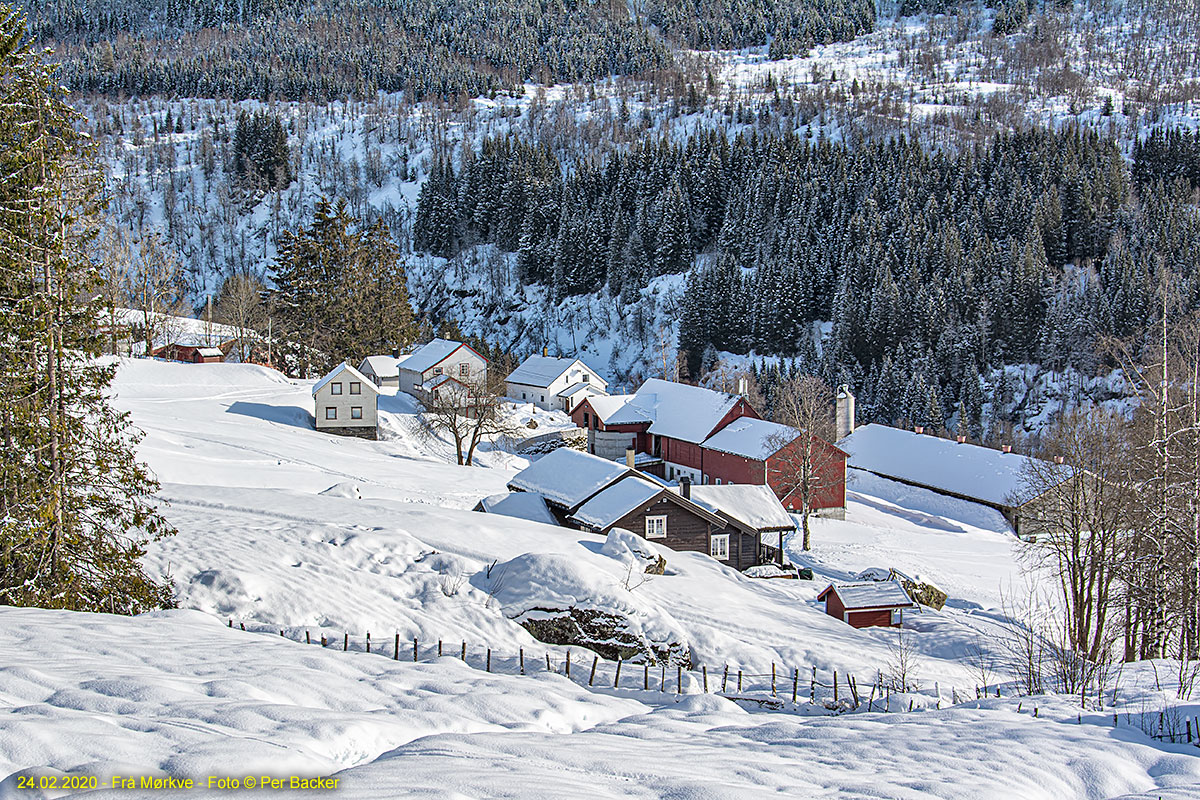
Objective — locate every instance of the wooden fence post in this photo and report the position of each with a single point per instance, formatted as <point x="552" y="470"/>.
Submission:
<point x="739" y="681"/>
<point x="772" y="679"/>
<point x="522" y="657"/>
<point x="795" y="683"/>
<point x="853" y="689"/>
<point x="368" y="641"/>
<point x="548" y="667"/>
<point x="835" y="688"/>
<point x="592" y="677"/>
<point x="662" y="686"/>
<point x="724" y="679"/>
<point x="243" y="625"/>
<point x="617" y="679"/>
<point x="346" y="643"/>
<point x="396" y="649"/>
<point x="704" y="672"/>
<point x="439" y="648"/>
<point x="307" y="640"/>
<point x="568" y="662"/>
<point x="281" y="633"/>
<point x="464" y="651"/>
<point x="812" y="688"/>
<point x="489" y="659"/>
<point x="416" y="648"/>
<point x="231" y="623"/>
<point x="646" y="676"/>
<point x="679" y="679"/>
<point x="322" y="640"/>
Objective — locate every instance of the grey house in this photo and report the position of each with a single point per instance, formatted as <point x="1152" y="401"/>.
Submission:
<point x="346" y="403"/>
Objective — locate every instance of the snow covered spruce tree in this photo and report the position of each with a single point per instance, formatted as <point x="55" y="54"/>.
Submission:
<point x="75" y="508"/>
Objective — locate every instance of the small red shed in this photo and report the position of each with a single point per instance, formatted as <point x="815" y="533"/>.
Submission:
<point x="867" y="604"/>
<point x="190" y="353"/>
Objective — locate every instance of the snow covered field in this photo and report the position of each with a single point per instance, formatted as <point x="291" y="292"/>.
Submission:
<point x="284" y="529"/>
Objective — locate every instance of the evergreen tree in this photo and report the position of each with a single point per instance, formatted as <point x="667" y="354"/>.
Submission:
<point x="75" y="508"/>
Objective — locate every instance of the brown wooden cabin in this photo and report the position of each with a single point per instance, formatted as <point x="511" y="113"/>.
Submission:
<point x="867" y="604"/>
<point x="190" y="353"/>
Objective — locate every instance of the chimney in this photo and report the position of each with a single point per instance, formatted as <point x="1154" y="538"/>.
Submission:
<point x="685" y="487"/>
<point x="395" y="352"/>
<point x="1006" y="448"/>
<point x="545" y="352"/>
<point x="741" y="386"/>
<point x="845" y="412"/>
<point x="629" y="457"/>
<point x="918" y="429"/>
<point x="962" y="439"/>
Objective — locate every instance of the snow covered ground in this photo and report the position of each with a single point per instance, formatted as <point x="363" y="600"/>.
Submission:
<point x="283" y="529"/>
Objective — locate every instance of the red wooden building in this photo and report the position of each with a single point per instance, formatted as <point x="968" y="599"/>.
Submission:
<point x="190" y="353"/>
<point x="710" y="437"/>
<point x="869" y="604"/>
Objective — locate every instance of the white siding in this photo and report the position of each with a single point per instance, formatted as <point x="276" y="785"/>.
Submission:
<point x="345" y="403"/>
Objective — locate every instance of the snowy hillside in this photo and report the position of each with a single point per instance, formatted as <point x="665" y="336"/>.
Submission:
<point x="284" y="530"/>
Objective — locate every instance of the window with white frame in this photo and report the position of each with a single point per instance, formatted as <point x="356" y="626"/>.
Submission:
<point x="355" y="387"/>
<point x="718" y="546"/>
<point x="356" y="412"/>
<point x="437" y="370"/>
<point x="656" y="527"/>
<point x="587" y="378"/>
<point x="897" y="616"/>
<point x="335" y="388"/>
<point x="330" y="412"/>
<point x="464" y="369"/>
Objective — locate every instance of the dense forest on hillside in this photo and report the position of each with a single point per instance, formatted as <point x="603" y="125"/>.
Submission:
<point x="304" y="49"/>
<point x="931" y="266"/>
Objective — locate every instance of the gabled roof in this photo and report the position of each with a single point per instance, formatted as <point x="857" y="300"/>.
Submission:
<point x="210" y="352"/>
<point x="576" y="388"/>
<point x="438" y="380"/>
<point x="870" y="594"/>
<point x="678" y="410"/>
<point x="966" y="470"/>
<point x="368" y="384"/>
<point x="568" y="477"/>
<point x="541" y="371"/>
<point x="752" y="438"/>
<point x="606" y="507"/>
<point x="383" y="366"/>
<point x="753" y="507"/>
<point x="433" y="354"/>
<point x="519" y="505"/>
<point x="606" y="406"/>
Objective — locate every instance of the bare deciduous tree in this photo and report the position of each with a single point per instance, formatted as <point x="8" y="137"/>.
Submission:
<point x="469" y="411"/>
<point x="154" y="284"/>
<point x="803" y="466"/>
<point x="240" y="305"/>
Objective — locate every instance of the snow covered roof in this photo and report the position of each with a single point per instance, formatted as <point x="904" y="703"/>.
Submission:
<point x="567" y="476"/>
<point x="606" y="406"/>
<point x="870" y="594"/>
<point x="616" y="501"/>
<point x="754" y="507"/>
<point x="576" y="388"/>
<point x="751" y="437"/>
<point x="677" y="410"/>
<point x="354" y="375"/>
<point x="542" y="371"/>
<point x="432" y="354"/>
<point x="210" y="352"/>
<point x="521" y="505"/>
<point x="383" y="366"/>
<point x="438" y="380"/>
<point x="967" y="470"/>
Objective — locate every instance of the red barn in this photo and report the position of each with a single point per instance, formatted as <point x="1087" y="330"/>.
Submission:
<point x="869" y="604"/>
<point x="190" y="353"/>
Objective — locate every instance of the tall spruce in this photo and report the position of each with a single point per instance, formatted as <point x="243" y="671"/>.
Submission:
<point x="75" y="506"/>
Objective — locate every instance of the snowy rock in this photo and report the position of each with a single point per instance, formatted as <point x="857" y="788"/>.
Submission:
<point x="560" y="600"/>
<point x="630" y="548"/>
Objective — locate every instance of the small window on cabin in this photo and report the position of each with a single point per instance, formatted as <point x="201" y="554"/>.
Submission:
<point x="587" y="419"/>
<point x="897" y="616"/>
<point x="543" y="398"/>
<point x="330" y="412"/>
<point x="718" y="546"/>
<point x="718" y="481"/>
<point x="464" y="369"/>
<point x="356" y="412"/>
<point x="437" y="370"/>
<point x="656" y="527"/>
<point x="587" y="378"/>
<point x="335" y="388"/>
<point x="355" y="387"/>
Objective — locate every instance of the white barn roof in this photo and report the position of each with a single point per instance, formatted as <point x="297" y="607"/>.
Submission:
<point x="677" y="410"/>
<point x="383" y="366"/>
<point x="752" y="438"/>
<point x="541" y="371"/>
<point x="354" y="374"/>
<point x="568" y="477"/>
<point x="606" y="406"/>
<point x="967" y="470"/>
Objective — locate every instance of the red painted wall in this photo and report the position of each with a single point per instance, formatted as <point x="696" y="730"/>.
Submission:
<point x="729" y="467"/>
<point x="858" y="619"/>
<point x="832" y="461"/>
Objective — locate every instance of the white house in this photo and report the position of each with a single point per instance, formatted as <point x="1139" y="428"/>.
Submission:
<point x="383" y="370"/>
<point x="346" y="403"/>
<point x="440" y="357"/>
<point x="555" y="383"/>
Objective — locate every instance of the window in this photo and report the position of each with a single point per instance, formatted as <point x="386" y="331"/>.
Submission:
<point x="587" y="378"/>
<point x="718" y="546"/>
<point x="464" y="369"/>
<point x="523" y="396"/>
<point x="656" y="527"/>
<point x="355" y="387"/>
<point x="330" y="412"/>
<point x="335" y="388"/>
<point x="587" y="420"/>
<point x="543" y="398"/>
<point x="356" y="412"/>
<point x="897" y="616"/>
<point x="437" y="370"/>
